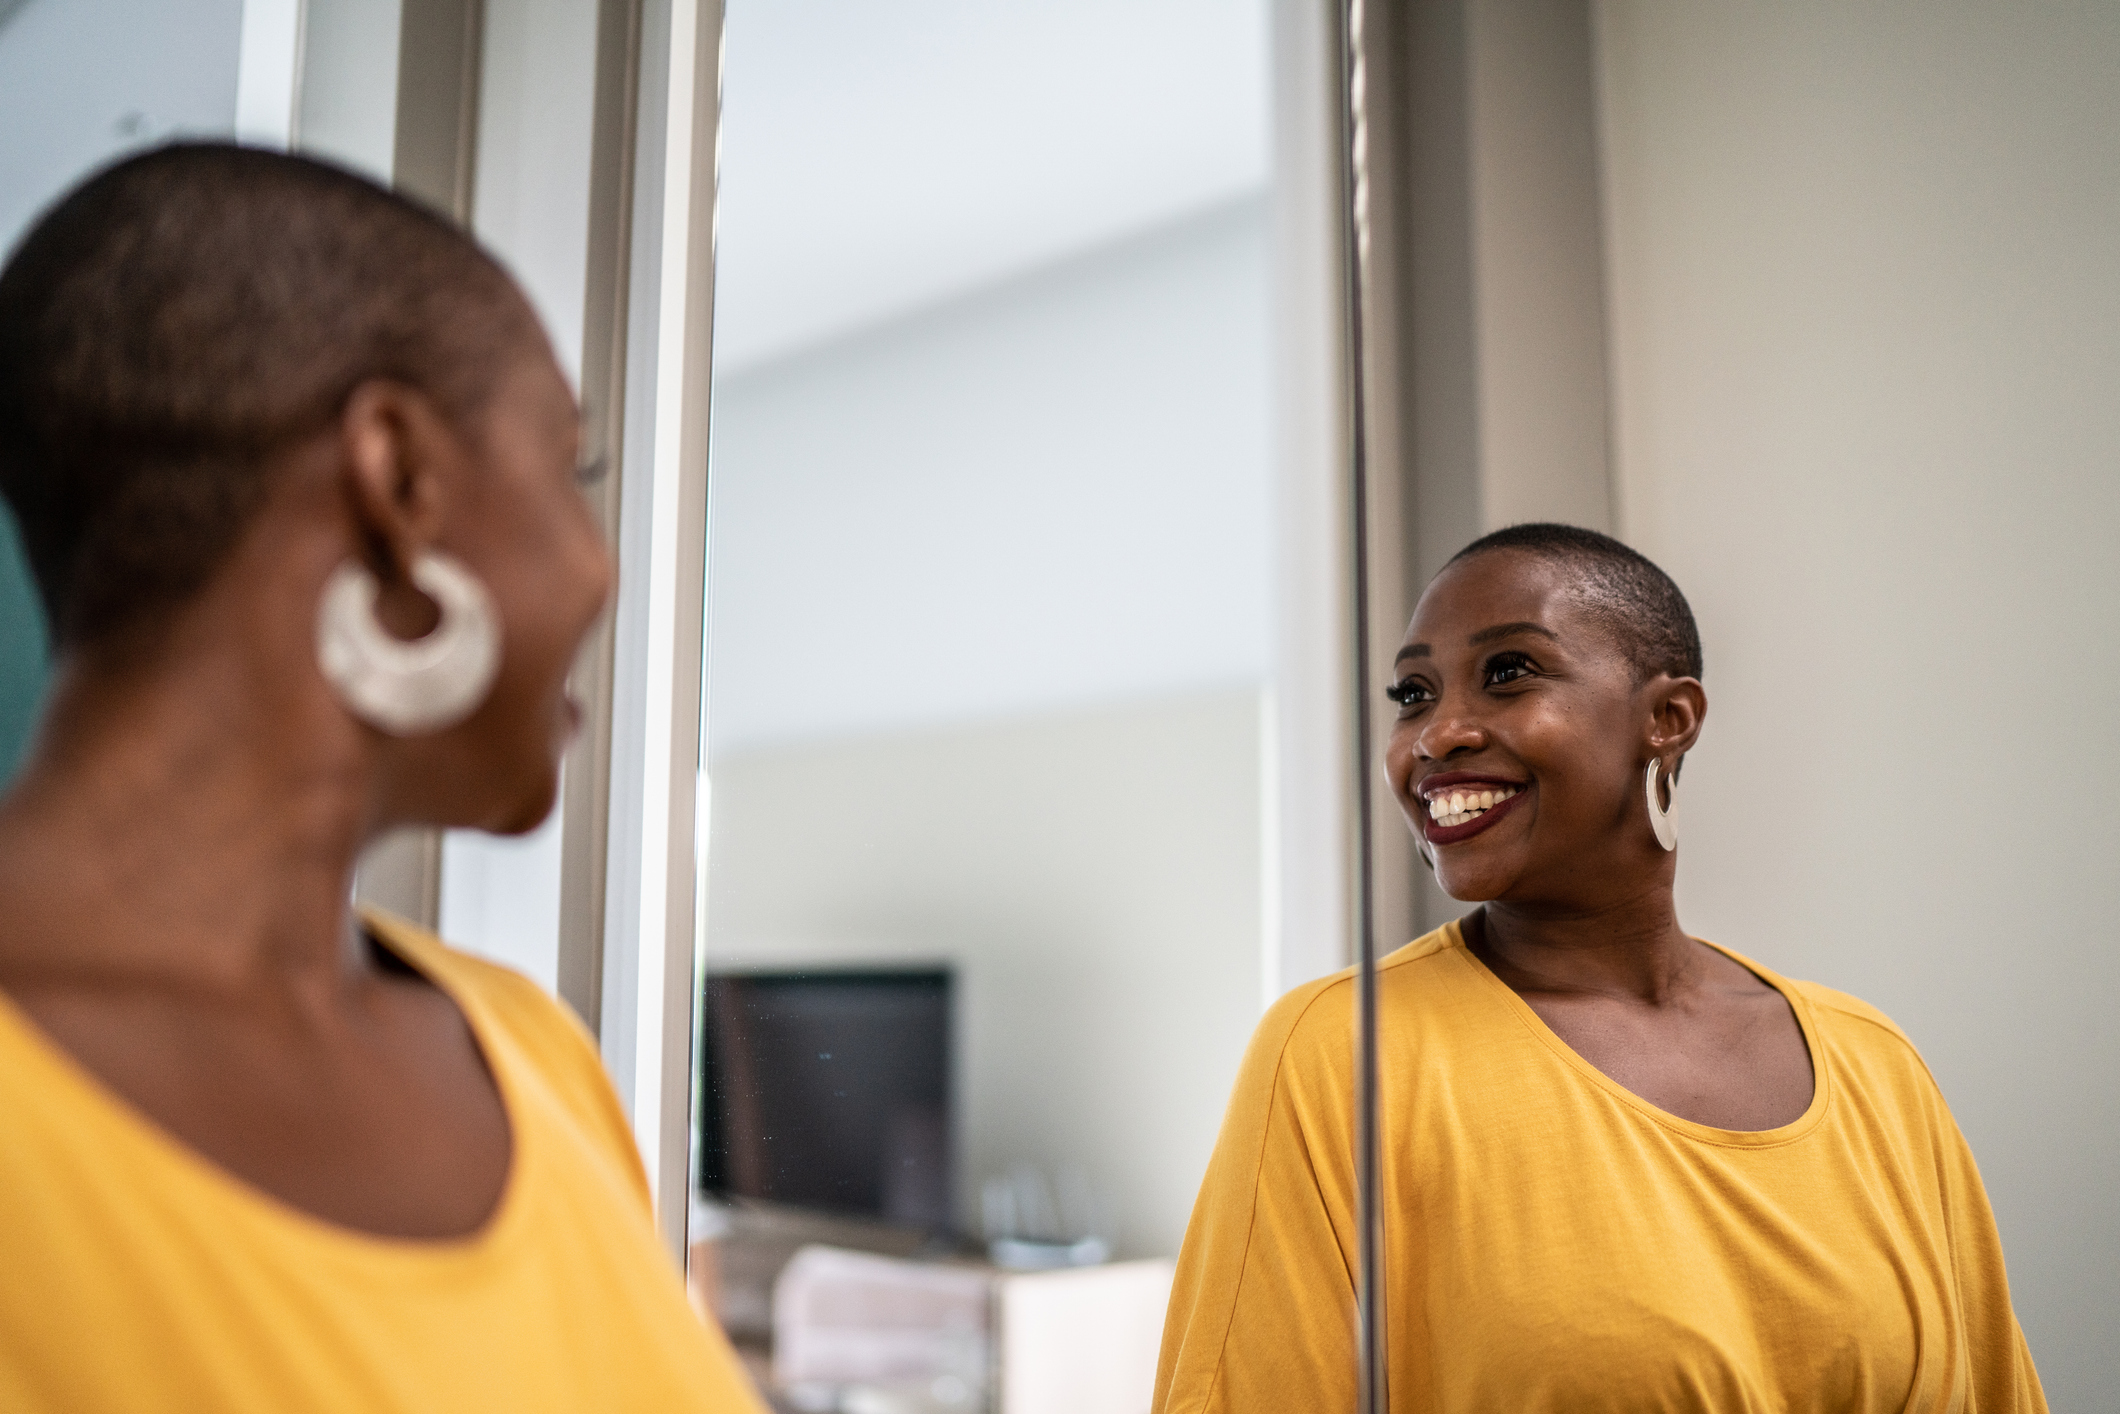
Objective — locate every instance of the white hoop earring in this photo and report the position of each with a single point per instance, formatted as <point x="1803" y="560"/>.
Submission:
<point x="408" y="689"/>
<point x="1660" y="818"/>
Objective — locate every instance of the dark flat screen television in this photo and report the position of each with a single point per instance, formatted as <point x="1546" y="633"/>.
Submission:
<point x="829" y="1090"/>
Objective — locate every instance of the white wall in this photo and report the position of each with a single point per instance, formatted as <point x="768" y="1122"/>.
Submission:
<point x="348" y="98"/>
<point x="1052" y="492"/>
<point x="1865" y="302"/>
<point x="82" y="81"/>
<point x="878" y="158"/>
<point x="1093" y="878"/>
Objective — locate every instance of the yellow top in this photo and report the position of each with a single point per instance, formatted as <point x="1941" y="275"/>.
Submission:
<point x="136" y="1276"/>
<point x="1554" y="1242"/>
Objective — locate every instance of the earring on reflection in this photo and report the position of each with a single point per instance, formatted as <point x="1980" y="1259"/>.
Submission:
<point x="409" y="688"/>
<point x="1660" y="816"/>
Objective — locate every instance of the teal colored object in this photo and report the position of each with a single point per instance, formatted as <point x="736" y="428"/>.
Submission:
<point x="25" y="659"/>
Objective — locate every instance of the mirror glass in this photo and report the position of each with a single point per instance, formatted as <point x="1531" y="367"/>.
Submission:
<point x="987" y="664"/>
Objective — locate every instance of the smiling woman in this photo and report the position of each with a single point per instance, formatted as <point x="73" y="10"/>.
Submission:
<point x="1624" y="1168"/>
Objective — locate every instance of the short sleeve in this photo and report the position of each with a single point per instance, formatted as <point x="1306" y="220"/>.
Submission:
<point x="1262" y="1316"/>
<point x="1999" y="1362"/>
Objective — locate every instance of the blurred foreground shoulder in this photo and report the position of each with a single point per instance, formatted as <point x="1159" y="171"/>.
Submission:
<point x="549" y="1038"/>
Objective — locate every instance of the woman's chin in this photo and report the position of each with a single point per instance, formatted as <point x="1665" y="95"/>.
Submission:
<point x="1467" y="882"/>
<point x="524" y="810"/>
<point x="1472" y="895"/>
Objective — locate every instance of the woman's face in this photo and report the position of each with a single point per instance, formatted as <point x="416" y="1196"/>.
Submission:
<point x="520" y="522"/>
<point x="1518" y="753"/>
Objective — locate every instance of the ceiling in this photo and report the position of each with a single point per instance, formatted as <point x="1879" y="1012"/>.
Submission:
<point x="883" y="155"/>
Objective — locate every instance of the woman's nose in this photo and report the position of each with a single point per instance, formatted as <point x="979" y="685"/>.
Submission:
<point x="1445" y="733"/>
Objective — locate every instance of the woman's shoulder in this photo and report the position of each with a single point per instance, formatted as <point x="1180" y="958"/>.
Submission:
<point x="525" y="1010"/>
<point x="1312" y="1025"/>
<point x="1867" y="1045"/>
<point x="1854" y="1018"/>
<point x="1867" y="1048"/>
<point x="1845" y="1016"/>
<point x="538" y="1032"/>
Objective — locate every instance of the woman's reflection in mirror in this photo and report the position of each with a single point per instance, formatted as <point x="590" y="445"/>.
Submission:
<point x="1624" y="1168"/>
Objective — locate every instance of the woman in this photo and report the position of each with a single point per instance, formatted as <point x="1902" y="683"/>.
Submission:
<point x="263" y="424"/>
<point x="1624" y="1168"/>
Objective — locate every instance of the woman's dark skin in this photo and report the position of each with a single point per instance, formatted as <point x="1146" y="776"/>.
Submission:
<point x="1515" y="682"/>
<point x="175" y="858"/>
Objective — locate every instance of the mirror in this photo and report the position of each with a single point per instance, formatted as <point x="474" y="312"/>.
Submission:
<point x="988" y="664"/>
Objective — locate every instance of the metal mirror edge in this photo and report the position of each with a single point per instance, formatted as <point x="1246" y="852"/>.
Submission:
<point x="1372" y="1389"/>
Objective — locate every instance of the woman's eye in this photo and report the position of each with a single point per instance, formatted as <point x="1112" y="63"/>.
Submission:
<point x="1507" y="667"/>
<point x="589" y="473"/>
<point x="1409" y="692"/>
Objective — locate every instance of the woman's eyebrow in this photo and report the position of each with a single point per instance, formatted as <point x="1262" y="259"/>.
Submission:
<point x="1412" y="650"/>
<point x="1488" y="635"/>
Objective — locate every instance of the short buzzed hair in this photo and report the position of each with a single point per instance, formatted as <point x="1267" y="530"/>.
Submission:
<point x="1620" y="586"/>
<point x="183" y="314"/>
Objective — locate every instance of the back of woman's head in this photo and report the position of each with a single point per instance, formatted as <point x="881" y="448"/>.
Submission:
<point x="180" y="315"/>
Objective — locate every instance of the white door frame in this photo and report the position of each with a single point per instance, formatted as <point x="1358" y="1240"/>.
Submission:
<point x="651" y="862"/>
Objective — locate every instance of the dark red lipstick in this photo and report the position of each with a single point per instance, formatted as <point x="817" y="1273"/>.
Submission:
<point x="1443" y="783"/>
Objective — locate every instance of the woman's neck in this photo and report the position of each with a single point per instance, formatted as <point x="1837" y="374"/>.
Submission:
<point x="1629" y="946"/>
<point x="196" y="819"/>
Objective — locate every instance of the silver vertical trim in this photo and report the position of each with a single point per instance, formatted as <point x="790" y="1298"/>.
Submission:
<point x="435" y="158"/>
<point x="585" y="829"/>
<point x="1374" y="1397"/>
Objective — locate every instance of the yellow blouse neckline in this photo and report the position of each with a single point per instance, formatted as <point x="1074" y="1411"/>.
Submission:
<point x="163" y="1157"/>
<point x="1806" y="1022"/>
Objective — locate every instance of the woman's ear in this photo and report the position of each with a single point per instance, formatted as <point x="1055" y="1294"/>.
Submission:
<point x="399" y="455"/>
<point x="399" y="458"/>
<point x="1677" y="708"/>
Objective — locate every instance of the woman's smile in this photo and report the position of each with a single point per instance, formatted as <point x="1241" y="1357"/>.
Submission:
<point x="1463" y="803"/>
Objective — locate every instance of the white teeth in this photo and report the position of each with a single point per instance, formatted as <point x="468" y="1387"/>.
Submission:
<point x="1457" y="807"/>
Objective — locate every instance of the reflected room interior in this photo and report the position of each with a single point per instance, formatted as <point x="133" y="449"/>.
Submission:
<point x="989" y="595"/>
